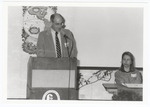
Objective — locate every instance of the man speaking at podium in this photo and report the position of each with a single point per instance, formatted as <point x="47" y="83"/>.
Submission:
<point x="57" y="41"/>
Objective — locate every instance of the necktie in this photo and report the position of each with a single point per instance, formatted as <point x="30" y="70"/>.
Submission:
<point x="58" y="49"/>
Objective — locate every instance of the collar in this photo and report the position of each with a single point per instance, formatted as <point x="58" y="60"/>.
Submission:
<point x="50" y="31"/>
<point x="53" y="32"/>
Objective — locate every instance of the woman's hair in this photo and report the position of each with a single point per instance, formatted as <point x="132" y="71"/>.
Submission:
<point x="132" y="66"/>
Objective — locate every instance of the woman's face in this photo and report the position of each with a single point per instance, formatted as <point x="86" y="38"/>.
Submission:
<point x="126" y="61"/>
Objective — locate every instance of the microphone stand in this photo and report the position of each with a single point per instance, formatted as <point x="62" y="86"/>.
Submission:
<point x="69" y="65"/>
<point x="69" y="55"/>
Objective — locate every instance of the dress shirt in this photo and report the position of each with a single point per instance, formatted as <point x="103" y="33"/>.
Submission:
<point x="54" y="40"/>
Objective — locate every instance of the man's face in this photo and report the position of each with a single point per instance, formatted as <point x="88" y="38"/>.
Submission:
<point x="57" y="23"/>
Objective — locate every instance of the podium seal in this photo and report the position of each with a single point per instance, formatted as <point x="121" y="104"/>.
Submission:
<point x="51" y="95"/>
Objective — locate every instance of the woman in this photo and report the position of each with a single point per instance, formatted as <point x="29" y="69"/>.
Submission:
<point x="127" y="74"/>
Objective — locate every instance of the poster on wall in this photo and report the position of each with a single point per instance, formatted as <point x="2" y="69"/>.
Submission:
<point x="35" y="20"/>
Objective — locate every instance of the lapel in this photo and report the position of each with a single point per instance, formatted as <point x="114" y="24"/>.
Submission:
<point x="63" y="45"/>
<point x="50" y="43"/>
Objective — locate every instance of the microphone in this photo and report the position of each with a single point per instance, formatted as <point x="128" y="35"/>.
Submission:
<point x="66" y="37"/>
<point x="66" y="40"/>
<point x="64" y="33"/>
<point x="67" y="43"/>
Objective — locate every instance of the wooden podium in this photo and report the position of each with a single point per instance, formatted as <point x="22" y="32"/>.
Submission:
<point x="52" y="78"/>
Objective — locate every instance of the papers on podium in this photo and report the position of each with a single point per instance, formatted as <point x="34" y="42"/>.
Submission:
<point x="134" y="85"/>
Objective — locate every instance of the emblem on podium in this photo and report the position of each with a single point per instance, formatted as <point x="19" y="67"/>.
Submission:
<point x="51" y="95"/>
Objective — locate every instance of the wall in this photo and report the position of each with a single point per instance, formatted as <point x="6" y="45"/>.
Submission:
<point x="17" y="59"/>
<point x="102" y="35"/>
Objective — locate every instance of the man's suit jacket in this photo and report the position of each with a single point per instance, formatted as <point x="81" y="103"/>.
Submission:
<point x="46" y="48"/>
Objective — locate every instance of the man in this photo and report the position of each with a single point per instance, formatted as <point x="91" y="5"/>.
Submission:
<point x="57" y="41"/>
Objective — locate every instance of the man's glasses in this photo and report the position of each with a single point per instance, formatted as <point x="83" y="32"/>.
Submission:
<point x="59" y="24"/>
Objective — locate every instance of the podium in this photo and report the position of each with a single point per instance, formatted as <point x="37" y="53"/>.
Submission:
<point x="52" y="78"/>
<point x="113" y="89"/>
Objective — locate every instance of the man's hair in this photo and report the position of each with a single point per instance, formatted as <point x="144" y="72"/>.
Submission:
<point x="132" y="66"/>
<point x="55" y="14"/>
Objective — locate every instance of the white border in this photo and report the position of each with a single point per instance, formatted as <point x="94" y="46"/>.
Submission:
<point x="146" y="54"/>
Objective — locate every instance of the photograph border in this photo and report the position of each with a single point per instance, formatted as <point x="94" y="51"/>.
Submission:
<point x="146" y="52"/>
